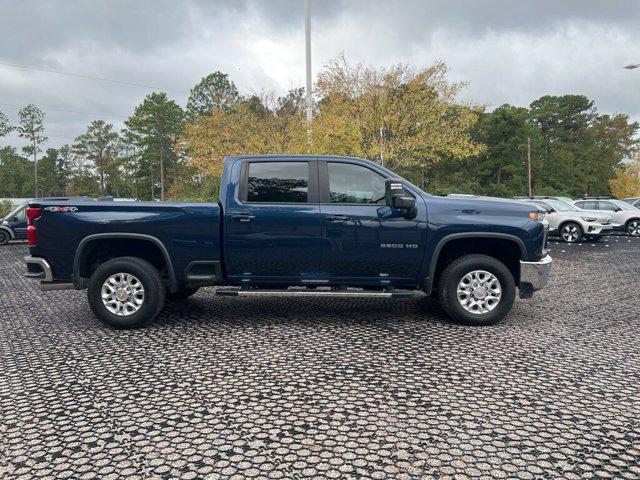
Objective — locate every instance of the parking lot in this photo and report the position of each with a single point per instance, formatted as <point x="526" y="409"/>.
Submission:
<point x="223" y="387"/>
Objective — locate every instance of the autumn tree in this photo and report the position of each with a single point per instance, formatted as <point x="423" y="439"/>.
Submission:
<point x="626" y="180"/>
<point x="398" y="116"/>
<point x="97" y="145"/>
<point x="257" y="125"/>
<point x="212" y="92"/>
<point x="32" y="128"/>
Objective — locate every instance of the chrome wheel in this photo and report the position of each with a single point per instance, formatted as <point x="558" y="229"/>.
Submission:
<point x="122" y="294"/>
<point x="570" y="233"/>
<point x="633" y="228"/>
<point x="479" y="292"/>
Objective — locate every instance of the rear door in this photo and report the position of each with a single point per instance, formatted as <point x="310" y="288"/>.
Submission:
<point x="364" y="239"/>
<point x="273" y="222"/>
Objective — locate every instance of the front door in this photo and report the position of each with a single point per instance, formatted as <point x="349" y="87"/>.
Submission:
<point x="364" y="240"/>
<point x="273" y="223"/>
<point x="18" y="223"/>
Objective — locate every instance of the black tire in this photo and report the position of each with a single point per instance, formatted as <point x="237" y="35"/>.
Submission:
<point x="181" y="295"/>
<point x="570" y="232"/>
<point x="633" y="227"/>
<point x="454" y="274"/>
<point x="4" y="237"/>
<point x="148" y="276"/>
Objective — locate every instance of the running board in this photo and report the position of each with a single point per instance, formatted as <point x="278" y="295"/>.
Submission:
<point x="235" y="292"/>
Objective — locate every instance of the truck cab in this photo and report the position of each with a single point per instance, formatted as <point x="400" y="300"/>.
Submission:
<point x="294" y="225"/>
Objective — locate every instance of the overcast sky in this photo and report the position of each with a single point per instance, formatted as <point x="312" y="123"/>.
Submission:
<point x="511" y="51"/>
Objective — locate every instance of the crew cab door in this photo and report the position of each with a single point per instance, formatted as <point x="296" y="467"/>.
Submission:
<point x="364" y="240"/>
<point x="273" y="223"/>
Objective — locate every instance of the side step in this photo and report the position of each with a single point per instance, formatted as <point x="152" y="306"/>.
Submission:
<point x="237" y="292"/>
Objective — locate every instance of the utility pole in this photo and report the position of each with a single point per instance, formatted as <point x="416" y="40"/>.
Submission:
<point x="381" y="146"/>
<point x="35" y="163"/>
<point x="309" y="98"/>
<point x="529" y="165"/>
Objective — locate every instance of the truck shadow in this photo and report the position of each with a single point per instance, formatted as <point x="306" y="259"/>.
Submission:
<point x="207" y="307"/>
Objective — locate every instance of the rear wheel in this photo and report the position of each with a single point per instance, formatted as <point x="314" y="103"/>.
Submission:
<point x="4" y="237"/>
<point x="570" y="232"/>
<point x="633" y="227"/>
<point x="181" y="295"/>
<point x="476" y="290"/>
<point x="126" y="292"/>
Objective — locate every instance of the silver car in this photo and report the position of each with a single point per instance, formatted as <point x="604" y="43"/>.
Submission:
<point x="572" y="224"/>
<point x="624" y="216"/>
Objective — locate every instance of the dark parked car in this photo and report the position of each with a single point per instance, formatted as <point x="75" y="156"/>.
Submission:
<point x="293" y="225"/>
<point x="14" y="225"/>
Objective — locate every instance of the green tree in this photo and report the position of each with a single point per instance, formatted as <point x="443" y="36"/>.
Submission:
<point x="5" y="126"/>
<point x="155" y="126"/>
<point x="16" y="179"/>
<point x="97" y="145"/>
<point x="32" y="128"/>
<point x="213" y="91"/>
<point x="501" y="170"/>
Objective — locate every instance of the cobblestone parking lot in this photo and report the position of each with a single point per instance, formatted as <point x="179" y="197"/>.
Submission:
<point x="223" y="387"/>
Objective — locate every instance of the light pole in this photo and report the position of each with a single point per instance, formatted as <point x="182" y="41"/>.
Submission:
<point x="309" y="98"/>
<point x="632" y="66"/>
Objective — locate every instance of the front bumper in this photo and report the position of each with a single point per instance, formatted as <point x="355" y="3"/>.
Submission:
<point x="534" y="276"/>
<point x="598" y="229"/>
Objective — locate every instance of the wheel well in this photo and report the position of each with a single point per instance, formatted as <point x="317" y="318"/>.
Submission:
<point x="507" y="251"/>
<point x="96" y="252"/>
<point x="569" y="221"/>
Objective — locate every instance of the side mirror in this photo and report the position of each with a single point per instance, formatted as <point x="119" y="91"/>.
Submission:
<point x="395" y="197"/>
<point x="617" y="209"/>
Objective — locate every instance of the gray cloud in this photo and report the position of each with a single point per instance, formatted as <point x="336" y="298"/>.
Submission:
<point x="509" y="51"/>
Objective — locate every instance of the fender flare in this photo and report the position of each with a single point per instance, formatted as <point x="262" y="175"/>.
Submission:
<point x="12" y="235"/>
<point x="138" y="236"/>
<point x="428" y="281"/>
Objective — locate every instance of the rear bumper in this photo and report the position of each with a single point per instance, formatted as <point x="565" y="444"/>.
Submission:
<point x="38" y="269"/>
<point x="534" y="276"/>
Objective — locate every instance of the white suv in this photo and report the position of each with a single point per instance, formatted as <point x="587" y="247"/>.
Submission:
<point x="570" y="223"/>
<point x="623" y="216"/>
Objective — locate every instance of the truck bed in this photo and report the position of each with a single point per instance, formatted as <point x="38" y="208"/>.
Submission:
<point x="188" y="231"/>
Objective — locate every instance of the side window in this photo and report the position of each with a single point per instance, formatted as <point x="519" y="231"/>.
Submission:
<point x="590" y="205"/>
<point x="606" y="206"/>
<point x="278" y="182"/>
<point x="546" y="206"/>
<point x="21" y="216"/>
<point x="350" y="183"/>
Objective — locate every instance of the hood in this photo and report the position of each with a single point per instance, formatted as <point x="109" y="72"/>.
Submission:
<point x="475" y="204"/>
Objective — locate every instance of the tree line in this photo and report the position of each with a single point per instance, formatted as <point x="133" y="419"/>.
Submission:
<point x="408" y="119"/>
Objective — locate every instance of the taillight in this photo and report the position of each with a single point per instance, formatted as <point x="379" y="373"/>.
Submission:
<point x="32" y="214"/>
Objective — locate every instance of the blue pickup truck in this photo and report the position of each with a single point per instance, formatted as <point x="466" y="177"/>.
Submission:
<point x="14" y="225"/>
<point x="293" y="225"/>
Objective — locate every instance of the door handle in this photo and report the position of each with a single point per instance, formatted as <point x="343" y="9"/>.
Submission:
<point x="337" y="218"/>
<point x="243" y="217"/>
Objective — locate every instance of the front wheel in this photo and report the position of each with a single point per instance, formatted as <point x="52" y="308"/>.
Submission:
<point x="4" y="237"/>
<point x="126" y="292"/>
<point x="571" y="232"/>
<point x="633" y="227"/>
<point x="476" y="290"/>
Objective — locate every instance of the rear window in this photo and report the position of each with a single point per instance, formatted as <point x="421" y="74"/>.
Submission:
<point x="278" y="182"/>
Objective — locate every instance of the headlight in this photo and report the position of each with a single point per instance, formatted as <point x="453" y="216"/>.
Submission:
<point x="4" y="222"/>
<point x="539" y="216"/>
<point x="588" y="219"/>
